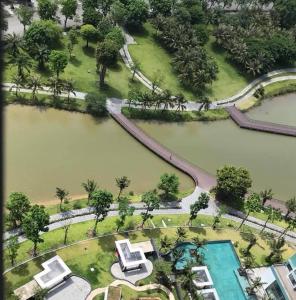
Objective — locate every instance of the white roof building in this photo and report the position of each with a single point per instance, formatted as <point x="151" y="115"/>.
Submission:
<point x="129" y="257"/>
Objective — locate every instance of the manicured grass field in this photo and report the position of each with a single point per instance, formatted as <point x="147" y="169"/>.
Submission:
<point x="99" y="253"/>
<point x="155" y="59"/>
<point x="129" y="294"/>
<point x="82" y="69"/>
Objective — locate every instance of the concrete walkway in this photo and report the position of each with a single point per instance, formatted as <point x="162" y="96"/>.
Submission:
<point x="143" y="288"/>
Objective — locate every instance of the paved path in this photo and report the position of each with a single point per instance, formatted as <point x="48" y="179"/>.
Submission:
<point x="245" y="122"/>
<point x="142" y="288"/>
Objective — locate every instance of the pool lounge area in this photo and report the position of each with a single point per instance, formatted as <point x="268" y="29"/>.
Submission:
<point x="222" y="263"/>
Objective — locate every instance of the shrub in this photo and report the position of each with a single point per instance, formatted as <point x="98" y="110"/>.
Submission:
<point x="96" y="105"/>
<point x="77" y="205"/>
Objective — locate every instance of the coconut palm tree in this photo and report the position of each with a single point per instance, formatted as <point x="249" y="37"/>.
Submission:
<point x="291" y="226"/>
<point x="165" y="243"/>
<point x="41" y="55"/>
<point x="291" y="207"/>
<point x="18" y="83"/>
<point x="266" y="195"/>
<point x="273" y="214"/>
<point x="61" y="194"/>
<point x="35" y="84"/>
<point x="204" y="103"/>
<point x="256" y="284"/>
<point x="122" y="183"/>
<point x="90" y="186"/>
<point x="13" y="44"/>
<point x="69" y="88"/>
<point x="276" y="249"/>
<point x="180" y="102"/>
<point x="55" y="86"/>
<point x="22" y="61"/>
<point x="181" y="234"/>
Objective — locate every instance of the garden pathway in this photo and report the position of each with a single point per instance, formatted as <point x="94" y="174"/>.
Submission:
<point x="142" y="288"/>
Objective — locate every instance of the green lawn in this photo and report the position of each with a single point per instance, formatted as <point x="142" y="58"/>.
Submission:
<point x="82" y="69"/>
<point x="100" y="253"/>
<point x="155" y="59"/>
<point x="129" y="294"/>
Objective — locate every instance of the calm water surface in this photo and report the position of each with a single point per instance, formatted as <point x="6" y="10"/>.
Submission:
<point x="46" y="149"/>
<point x="271" y="159"/>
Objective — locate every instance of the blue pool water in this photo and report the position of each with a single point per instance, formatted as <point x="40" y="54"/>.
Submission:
<point x="222" y="263"/>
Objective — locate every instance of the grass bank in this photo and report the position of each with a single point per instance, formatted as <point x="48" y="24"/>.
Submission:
<point x="155" y="59"/>
<point x="99" y="253"/>
<point x="271" y="90"/>
<point x="174" y="116"/>
<point x="82" y="69"/>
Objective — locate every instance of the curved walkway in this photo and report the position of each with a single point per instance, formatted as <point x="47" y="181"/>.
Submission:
<point x="245" y="122"/>
<point x="249" y="90"/>
<point x="143" y="288"/>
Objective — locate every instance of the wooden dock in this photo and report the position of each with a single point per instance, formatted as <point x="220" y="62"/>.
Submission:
<point x="245" y="122"/>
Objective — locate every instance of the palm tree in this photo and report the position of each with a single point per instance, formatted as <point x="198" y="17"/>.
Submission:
<point x="291" y="226"/>
<point x="273" y="214"/>
<point x="13" y="44"/>
<point x="18" y="82"/>
<point x="122" y="183"/>
<point x="252" y="239"/>
<point x="165" y="243"/>
<point x="90" y="186"/>
<point x="69" y="88"/>
<point x="41" y="55"/>
<point x="61" y="194"/>
<point x="266" y="195"/>
<point x="276" y="247"/>
<point x="180" y="102"/>
<point x="205" y="104"/>
<point x="181" y="234"/>
<point x="256" y="283"/>
<point x="291" y="207"/>
<point x="55" y="86"/>
<point x="22" y="62"/>
<point x="35" y="84"/>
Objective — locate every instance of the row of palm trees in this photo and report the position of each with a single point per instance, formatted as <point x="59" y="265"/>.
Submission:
<point x="35" y="83"/>
<point x="164" y="100"/>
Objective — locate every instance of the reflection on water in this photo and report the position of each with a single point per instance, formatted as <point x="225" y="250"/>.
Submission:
<point x="50" y="148"/>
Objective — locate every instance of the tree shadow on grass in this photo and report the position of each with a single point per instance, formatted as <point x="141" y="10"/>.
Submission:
<point x="74" y="61"/>
<point x="138" y="31"/>
<point x="107" y="243"/>
<point x="200" y="231"/>
<point x="21" y="270"/>
<point x="89" y="51"/>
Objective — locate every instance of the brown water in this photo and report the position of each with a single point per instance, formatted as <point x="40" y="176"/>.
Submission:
<point x="46" y="149"/>
<point x="271" y="159"/>
<point x="280" y="109"/>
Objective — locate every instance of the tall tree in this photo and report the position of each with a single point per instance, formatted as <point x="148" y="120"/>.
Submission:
<point x="89" y="33"/>
<point x="169" y="184"/>
<point x="35" y="221"/>
<point x="66" y="226"/>
<point x="252" y="204"/>
<point x="23" y="63"/>
<point x="25" y="15"/>
<point x="205" y="103"/>
<point x="35" y="84"/>
<point x="69" y="8"/>
<point x="122" y="183"/>
<point x="232" y="183"/>
<point x="137" y="12"/>
<point x="101" y="201"/>
<point x="165" y="244"/>
<point x="89" y="186"/>
<point x="152" y="202"/>
<point x="252" y="239"/>
<point x="217" y="218"/>
<point x="291" y="226"/>
<point x="13" y="44"/>
<point x="47" y="9"/>
<point x="58" y="61"/>
<point x="68" y="85"/>
<point x="106" y="56"/>
<point x="41" y="54"/>
<point x="256" y="284"/>
<point x="272" y="214"/>
<point x="124" y="210"/>
<point x="201" y="203"/>
<point x="276" y="250"/>
<point x="291" y="207"/>
<point x="18" y="205"/>
<point x="266" y="195"/>
<point x="286" y="9"/>
<point x="62" y="195"/>
<point x="18" y="83"/>
<point x="181" y="234"/>
<point x="55" y="86"/>
<point x="12" y="247"/>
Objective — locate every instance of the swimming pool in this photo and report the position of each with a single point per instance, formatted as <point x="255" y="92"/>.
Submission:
<point x="222" y="262"/>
